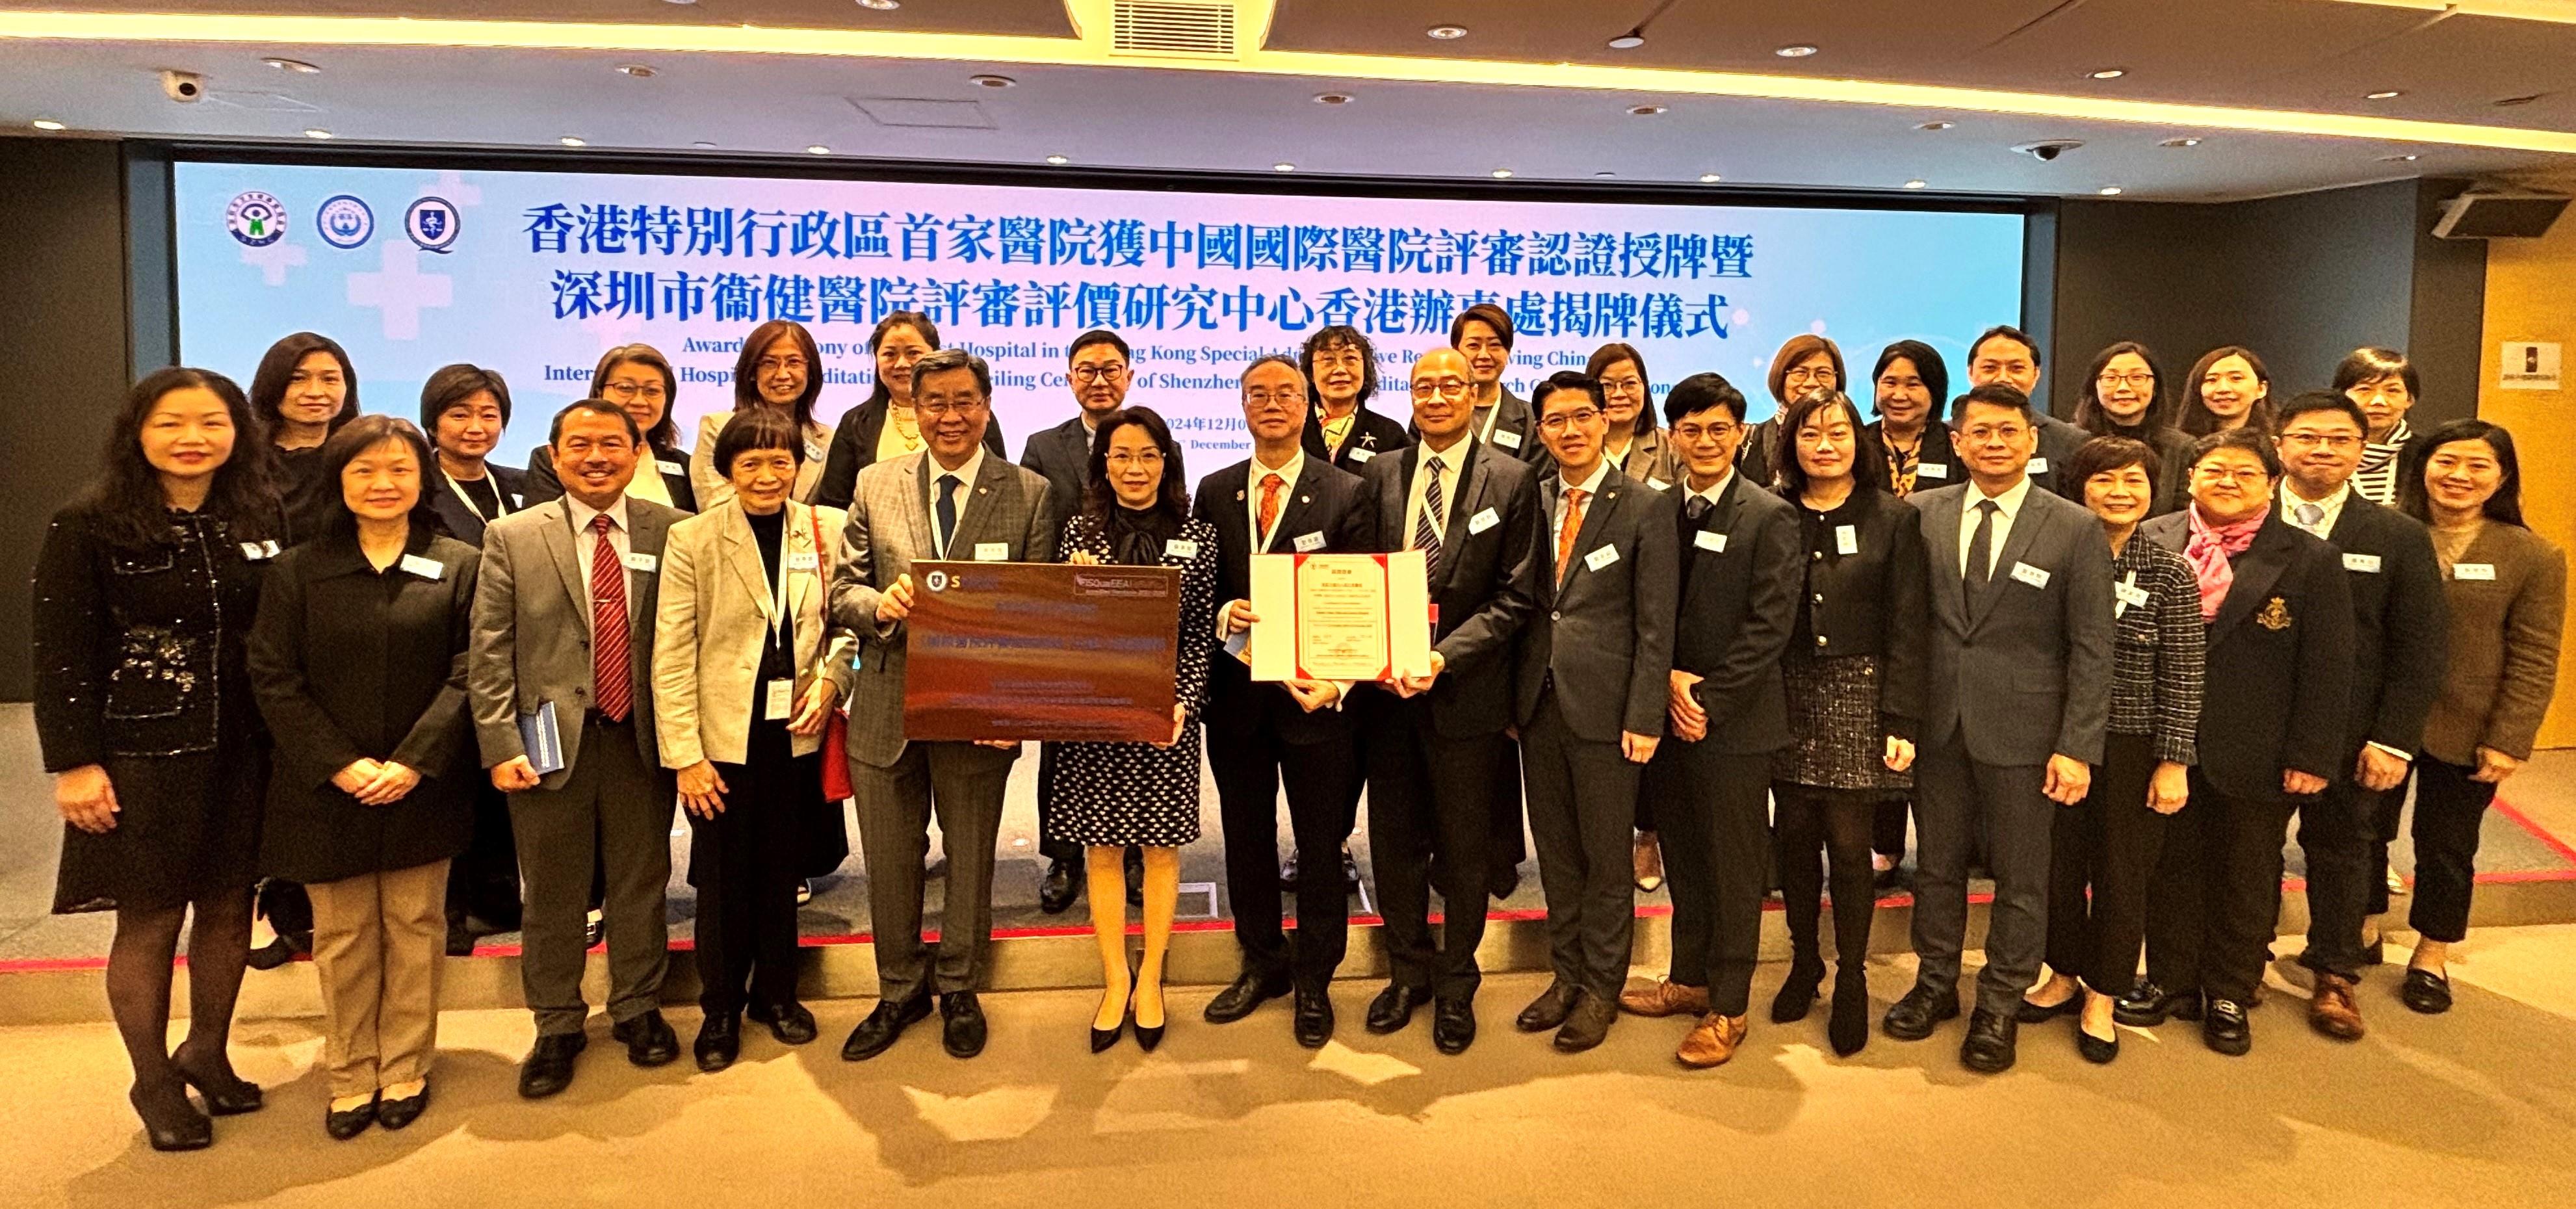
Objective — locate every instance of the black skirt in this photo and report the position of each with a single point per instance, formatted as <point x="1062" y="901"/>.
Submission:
<point x="188" y="828"/>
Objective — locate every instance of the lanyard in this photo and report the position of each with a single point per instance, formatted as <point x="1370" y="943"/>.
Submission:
<point x="500" y="498"/>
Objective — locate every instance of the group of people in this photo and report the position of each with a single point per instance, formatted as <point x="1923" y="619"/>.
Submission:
<point x="411" y="694"/>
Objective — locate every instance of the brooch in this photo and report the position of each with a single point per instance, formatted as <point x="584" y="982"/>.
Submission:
<point x="2275" y="615"/>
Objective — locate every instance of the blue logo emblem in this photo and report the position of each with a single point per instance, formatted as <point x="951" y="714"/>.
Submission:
<point x="257" y="219"/>
<point x="432" y="223"/>
<point x="345" y="222"/>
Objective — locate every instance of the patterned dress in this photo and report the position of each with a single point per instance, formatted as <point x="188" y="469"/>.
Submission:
<point x="1117" y="794"/>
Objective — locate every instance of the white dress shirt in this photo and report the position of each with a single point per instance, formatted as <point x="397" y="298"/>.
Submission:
<point x="966" y="476"/>
<point x="2008" y="505"/>
<point x="586" y="543"/>
<point x="1449" y="459"/>
<point x="1287" y="473"/>
<point x="2331" y="507"/>
<point x="1715" y="490"/>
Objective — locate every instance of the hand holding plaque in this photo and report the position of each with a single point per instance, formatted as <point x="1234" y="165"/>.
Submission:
<point x="1340" y="617"/>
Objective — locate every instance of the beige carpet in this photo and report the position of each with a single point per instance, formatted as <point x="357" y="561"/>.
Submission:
<point x="2477" y="1108"/>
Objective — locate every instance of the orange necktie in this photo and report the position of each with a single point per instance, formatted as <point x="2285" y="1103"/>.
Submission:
<point x="1571" y="529"/>
<point x="1270" y="485"/>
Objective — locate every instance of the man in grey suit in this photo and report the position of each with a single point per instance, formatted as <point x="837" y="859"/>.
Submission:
<point x="563" y="631"/>
<point x="949" y="501"/>
<point x="2019" y="694"/>
<point x="1097" y="366"/>
<point x="1595" y="677"/>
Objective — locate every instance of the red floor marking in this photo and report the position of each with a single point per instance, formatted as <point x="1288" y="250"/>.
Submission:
<point x="2554" y="844"/>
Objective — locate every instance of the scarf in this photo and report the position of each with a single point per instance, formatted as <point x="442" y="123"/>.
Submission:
<point x="1137" y="538"/>
<point x="2208" y="551"/>
<point x="2376" y="480"/>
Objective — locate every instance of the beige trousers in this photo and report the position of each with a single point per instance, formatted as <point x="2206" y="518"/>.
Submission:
<point x="378" y="940"/>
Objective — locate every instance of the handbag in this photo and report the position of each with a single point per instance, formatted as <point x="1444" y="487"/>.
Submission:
<point x="836" y="728"/>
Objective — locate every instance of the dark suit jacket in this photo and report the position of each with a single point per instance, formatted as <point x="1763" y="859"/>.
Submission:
<point x="1935" y="463"/>
<point x="1738" y="604"/>
<point x="671" y="464"/>
<point x="854" y="446"/>
<point x="1372" y="435"/>
<point x="2029" y="674"/>
<point x="2279" y="664"/>
<point x="1604" y="634"/>
<point x="1485" y="585"/>
<point x="2058" y="441"/>
<point x="455" y="513"/>
<point x="1514" y="416"/>
<point x="1324" y="500"/>
<point x="1874" y="602"/>
<point x="2400" y="624"/>
<point x="1063" y="455"/>
<point x="2505" y="633"/>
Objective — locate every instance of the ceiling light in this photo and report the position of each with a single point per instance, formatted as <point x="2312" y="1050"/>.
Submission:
<point x="1502" y="174"/>
<point x="1916" y="184"/>
<point x="637" y="70"/>
<point x="2385" y="94"/>
<point x="1605" y="172"/>
<point x="1630" y="40"/>
<point x="2185" y="141"/>
<point x="991" y="81"/>
<point x="317" y="133"/>
<point x="883" y="6"/>
<point x="2399" y="159"/>
<point x="1936" y="125"/>
<point x="679" y="1"/>
<point x="2109" y="191"/>
<point x="2520" y="100"/>
<point x="298" y="66"/>
<point x="1644" y="111"/>
<point x="1799" y="51"/>
<point x="1332" y="98"/>
<point x="1710" y="178"/>
<point x="1447" y="33"/>
<point x="2107" y="73"/>
<point x="1283" y="166"/>
<point x="47" y="124"/>
<point x="818" y="149"/>
<point x="703" y="145"/>
<point x="571" y="140"/>
<point x="1059" y="160"/>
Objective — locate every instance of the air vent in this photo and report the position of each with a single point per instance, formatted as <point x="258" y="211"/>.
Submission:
<point x="1160" y="27"/>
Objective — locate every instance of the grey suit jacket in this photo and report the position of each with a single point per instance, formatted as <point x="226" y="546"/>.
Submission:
<point x="2029" y="674"/>
<point x="714" y="625"/>
<point x="888" y="531"/>
<point x="1605" y="631"/>
<point x="532" y="630"/>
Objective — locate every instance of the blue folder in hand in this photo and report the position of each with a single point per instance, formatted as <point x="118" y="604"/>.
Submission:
<point x="541" y="739"/>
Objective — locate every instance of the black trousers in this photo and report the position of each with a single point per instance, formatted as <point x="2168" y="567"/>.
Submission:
<point x="2337" y="833"/>
<point x="746" y="864"/>
<point x="1712" y="810"/>
<point x="2449" y="809"/>
<point x="1962" y="807"/>
<point x="1887" y="829"/>
<point x="1251" y="768"/>
<point x="1837" y="824"/>
<point x="484" y="880"/>
<point x="2386" y="818"/>
<point x="2110" y="844"/>
<point x="1430" y="799"/>
<point x="2218" y="893"/>
<point x="1582" y="812"/>
<point x="1049" y="845"/>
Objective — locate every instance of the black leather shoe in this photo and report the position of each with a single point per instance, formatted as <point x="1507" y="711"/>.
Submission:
<point x="649" y="1039"/>
<point x="1350" y="871"/>
<point x="1587" y="1025"/>
<point x="1393" y="1009"/>
<point x="1923" y="1009"/>
<point x="2032" y="1013"/>
<point x="169" y="1120"/>
<point x="269" y="956"/>
<point x="1453" y="1025"/>
<point x="1990" y="1046"/>
<point x="2426" y="992"/>
<point x="396" y="1114"/>
<point x="961" y="1024"/>
<point x="719" y="1042"/>
<point x="2225" y="1029"/>
<point x="1503" y="882"/>
<point x="549" y="1066"/>
<point x="1797" y="994"/>
<point x="1056" y="890"/>
<point x="789" y="1022"/>
<point x="1134" y="866"/>
<point x="884" y="1024"/>
<point x="460" y="943"/>
<point x="1251" y="989"/>
<point x="1549" y="1010"/>
<point x="2148" y="1005"/>
<point x="1288" y="874"/>
<point x="227" y="1094"/>
<point x="1848" y="1029"/>
<point x="1313" y="1022"/>
<point x="344" y="1124"/>
<point x="2096" y="1050"/>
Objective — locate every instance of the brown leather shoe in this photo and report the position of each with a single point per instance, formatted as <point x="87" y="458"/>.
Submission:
<point x="1712" y="1041"/>
<point x="1663" y="997"/>
<point x="1648" y="857"/>
<point x="2334" y="1011"/>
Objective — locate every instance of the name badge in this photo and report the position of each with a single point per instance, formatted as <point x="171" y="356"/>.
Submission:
<point x="645" y="563"/>
<point x="1605" y="556"/>
<point x="803" y="560"/>
<point x="1706" y="539"/>
<point x="2473" y="570"/>
<point x="1508" y="440"/>
<point x="669" y="467"/>
<point x="2130" y="595"/>
<point x="778" y="700"/>
<point x="992" y="552"/>
<point x="1482" y="521"/>
<point x="2029" y="574"/>
<point x="2361" y="562"/>
<point x="1180" y="547"/>
<point x="1362" y="455"/>
<point x="1658" y="484"/>
<point x="426" y="568"/>
<point x="2038" y="466"/>
<point x="517" y="500"/>
<point x="814" y="451"/>
<point x="259" y="552"/>
<point x="1846" y="540"/>
<point x="1931" y="470"/>
<point x="1308" y="543"/>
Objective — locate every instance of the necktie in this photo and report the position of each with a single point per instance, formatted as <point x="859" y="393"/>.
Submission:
<point x="1270" y="485"/>
<point x="1571" y="528"/>
<point x="1695" y="509"/>
<point x="948" y="485"/>
<point x="2310" y="515"/>
<point x="610" y="673"/>
<point x="1426" y="529"/>
<point x="1981" y="546"/>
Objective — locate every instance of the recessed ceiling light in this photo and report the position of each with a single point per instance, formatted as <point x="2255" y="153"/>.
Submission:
<point x="317" y="133"/>
<point x="298" y="66"/>
<point x="818" y="149"/>
<point x="1936" y="125"/>
<point x="1332" y="98"/>
<point x="1644" y="111"/>
<point x="572" y="140"/>
<point x="1710" y="178"/>
<point x="1447" y="33"/>
<point x="1605" y="172"/>
<point x="1917" y="184"/>
<point x="1630" y="40"/>
<point x="637" y="70"/>
<point x="883" y="6"/>
<point x="1283" y="166"/>
<point x="2109" y="191"/>
<point x="47" y="124"/>
<point x="2185" y="141"/>
<point x="2399" y="159"/>
<point x="679" y="1"/>
<point x="2106" y="73"/>
<point x="703" y="145"/>
<point x="2385" y="94"/>
<point x="1059" y="160"/>
<point x="1502" y="174"/>
<point x="2520" y="100"/>
<point x="991" y="81"/>
<point x="1799" y="51"/>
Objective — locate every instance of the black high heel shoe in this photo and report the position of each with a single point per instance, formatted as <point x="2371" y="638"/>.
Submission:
<point x="1102" y="1039"/>
<point x="227" y="1094"/>
<point x="269" y="956"/>
<point x="1147" y="1038"/>
<point x="169" y="1120"/>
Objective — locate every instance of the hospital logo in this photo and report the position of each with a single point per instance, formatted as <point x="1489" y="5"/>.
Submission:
<point x="257" y="219"/>
<point x="936" y="581"/>
<point x="345" y="222"/>
<point x="431" y="222"/>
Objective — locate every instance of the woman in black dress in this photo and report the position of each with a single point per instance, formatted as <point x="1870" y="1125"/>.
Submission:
<point x="1855" y="677"/>
<point x="359" y="661"/>
<point x="145" y="590"/>
<point x="1110" y="796"/>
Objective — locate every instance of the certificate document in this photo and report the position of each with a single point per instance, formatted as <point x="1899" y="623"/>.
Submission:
<point x="1340" y="616"/>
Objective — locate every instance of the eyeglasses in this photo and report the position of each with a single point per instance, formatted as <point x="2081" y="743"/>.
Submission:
<point x="1445" y="388"/>
<point x="1559" y="421"/>
<point x="2220" y="474"/>
<point x="1283" y="397"/>
<point x="2335" y="441"/>
<point x="624" y="391"/>
<point x="1120" y="458"/>
<point x="942" y="407"/>
<point x="2140" y="379"/>
<point x="1821" y="376"/>
<point x="1983" y="433"/>
<point x="1109" y="372"/>
<point x="1692" y="433"/>
<point x="769" y="365"/>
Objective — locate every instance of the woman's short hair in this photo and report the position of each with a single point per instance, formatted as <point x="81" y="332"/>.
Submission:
<point x="1796" y="349"/>
<point x="746" y="367"/>
<point x="1339" y="335"/>
<point x="1172" y="497"/>
<point x="1485" y="313"/>
<point x="665" y="433"/>
<point x="450" y="385"/>
<point x="2103" y="454"/>
<point x="357" y="437"/>
<point x="1611" y="354"/>
<point x="2197" y="419"/>
<point x="2089" y="415"/>
<point x="2248" y="439"/>
<point x="1927" y="363"/>
<point x="277" y="367"/>
<point x="2372" y="364"/>
<point x="1869" y="462"/>
<point x="764" y="428"/>
<point x="2505" y="506"/>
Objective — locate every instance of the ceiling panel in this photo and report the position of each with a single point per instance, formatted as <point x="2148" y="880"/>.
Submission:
<point x="1039" y="18"/>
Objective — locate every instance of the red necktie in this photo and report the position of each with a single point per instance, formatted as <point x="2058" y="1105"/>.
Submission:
<point x="611" y="671"/>
<point x="1270" y="485"/>
<point x="1572" y="528"/>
